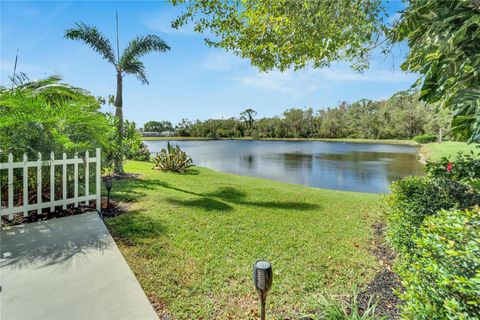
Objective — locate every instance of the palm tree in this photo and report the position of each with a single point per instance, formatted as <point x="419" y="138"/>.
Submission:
<point x="127" y="63"/>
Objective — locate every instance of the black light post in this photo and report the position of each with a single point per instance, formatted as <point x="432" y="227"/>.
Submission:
<point x="108" y="186"/>
<point x="262" y="278"/>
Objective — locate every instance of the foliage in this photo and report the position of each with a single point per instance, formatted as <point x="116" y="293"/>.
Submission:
<point x="442" y="277"/>
<point x="185" y="234"/>
<point x="142" y="153"/>
<point x="425" y="138"/>
<point x="157" y="126"/>
<point x="415" y="198"/>
<point x="400" y="117"/>
<point x="463" y="167"/>
<point x="172" y="159"/>
<point x="284" y="34"/>
<point x="49" y="116"/>
<point x="127" y="63"/>
<point x="444" y="41"/>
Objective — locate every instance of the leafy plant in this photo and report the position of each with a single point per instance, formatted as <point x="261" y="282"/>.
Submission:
<point x="444" y="41"/>
<point x="442" y="277"/>
<point x="425" y="138"/>
<point x="172" y="159"/>
<point x="142" y="153"/>
<point x="415" y="198"/>
<point x="464" y="167"/>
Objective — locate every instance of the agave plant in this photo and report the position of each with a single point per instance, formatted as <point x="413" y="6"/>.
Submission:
<point x="172" y="159"/>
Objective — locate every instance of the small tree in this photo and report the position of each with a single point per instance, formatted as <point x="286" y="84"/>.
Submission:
<point x="247" y="117"/>
<point x="127" y="63"/>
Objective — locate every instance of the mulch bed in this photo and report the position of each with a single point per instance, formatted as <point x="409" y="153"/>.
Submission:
<point x="385" y="283"/>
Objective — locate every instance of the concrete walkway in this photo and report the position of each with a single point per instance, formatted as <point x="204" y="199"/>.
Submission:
<point x="67" y="268"/>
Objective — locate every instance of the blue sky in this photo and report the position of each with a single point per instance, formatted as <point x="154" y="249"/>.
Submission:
<point x="192" y="80"/>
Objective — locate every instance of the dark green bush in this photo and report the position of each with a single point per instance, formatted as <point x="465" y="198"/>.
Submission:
<point x="463" y="167"/>
<point x="442" y="277"/>
<point x="425" y="138"/>
<point x="142" y="153"/>
<point x="415" y="198"/>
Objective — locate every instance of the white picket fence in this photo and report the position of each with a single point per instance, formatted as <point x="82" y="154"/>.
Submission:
<point x="26" y="207"/>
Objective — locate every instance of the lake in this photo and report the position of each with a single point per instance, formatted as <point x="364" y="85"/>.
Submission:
<point x="331" y="165"/>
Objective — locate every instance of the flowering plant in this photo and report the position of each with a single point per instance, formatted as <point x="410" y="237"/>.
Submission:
<point x="464" y="167"/>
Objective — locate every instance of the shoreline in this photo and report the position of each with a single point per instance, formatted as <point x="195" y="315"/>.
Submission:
<point x="346" y="140"/>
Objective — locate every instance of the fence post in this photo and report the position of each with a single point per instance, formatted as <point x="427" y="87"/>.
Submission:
<point x="64" y="181"/>
<point x="98" y="180"/>
<point x="39" y="182"/>
<point x="52" y="181"/>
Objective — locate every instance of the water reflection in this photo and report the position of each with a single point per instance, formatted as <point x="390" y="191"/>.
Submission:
<point x="341" y="166"/>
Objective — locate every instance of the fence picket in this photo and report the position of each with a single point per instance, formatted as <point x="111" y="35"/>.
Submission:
<point x="87" y="175"/>
<point x="26" y="207"/>
<point x="10" y="184"/>
<point x="52" y="181"/>
<point x="64" y="180"/>
<point x="25" y="186"/>
<point x="39" y="181"/>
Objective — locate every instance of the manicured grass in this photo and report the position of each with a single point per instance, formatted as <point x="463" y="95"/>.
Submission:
<point x="436" y="151"/>
<point x="192" y="240"/>
<point x="375" y="141"/>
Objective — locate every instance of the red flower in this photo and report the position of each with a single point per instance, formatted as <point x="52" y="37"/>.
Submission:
<point x="449" y="167"/>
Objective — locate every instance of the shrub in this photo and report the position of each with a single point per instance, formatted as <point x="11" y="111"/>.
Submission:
<point x="464" y="167"/>
<point x="442" y="277"/>
<point x="415" y="198"/>
<point x="172" y="159"/>
<point x="425" y="138"/>
<point x="142" y="153"/>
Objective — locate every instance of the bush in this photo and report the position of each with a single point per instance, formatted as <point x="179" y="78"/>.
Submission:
<point x="142" y="153"/>
<point x="425" y="138"/>
<point x="465" y="167"/>
<point x="442" y="277"/>
<point x="172" y="159"/>
<point x="415" y="198"/>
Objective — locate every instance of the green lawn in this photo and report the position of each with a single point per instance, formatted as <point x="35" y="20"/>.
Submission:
<point x="192" y="240"/>
<point x="435" y="151"/>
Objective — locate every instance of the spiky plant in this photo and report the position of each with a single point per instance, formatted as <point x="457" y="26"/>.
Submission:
<point x="126" y="63"/>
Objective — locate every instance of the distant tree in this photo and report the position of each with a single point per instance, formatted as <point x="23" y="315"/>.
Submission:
<point x="127" y="63"/>
<point x="157" y="126"/>
<point x="183" y="129"/>
<point x="247" y="117"/>
<point x="444" y="41"/>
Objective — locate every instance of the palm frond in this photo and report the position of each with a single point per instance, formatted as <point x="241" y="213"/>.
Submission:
<point x="91" y="36"/>
<point x="142" y="45"/>
<point x="136" y="68"/>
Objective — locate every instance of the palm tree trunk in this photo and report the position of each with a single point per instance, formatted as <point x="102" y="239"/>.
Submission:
<point x="119" y="115"/>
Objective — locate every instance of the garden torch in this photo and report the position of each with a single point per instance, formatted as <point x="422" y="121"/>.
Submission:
<point x="262" y="278"/>
<point x="108" y="186"/>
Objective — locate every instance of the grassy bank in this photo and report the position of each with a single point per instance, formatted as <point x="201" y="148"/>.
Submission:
<point x="436" y="151"/>
<point x="375" y="141"/>
<point x="192" y="239"/>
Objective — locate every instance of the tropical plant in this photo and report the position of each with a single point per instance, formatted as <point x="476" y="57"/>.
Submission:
<point x="247" y="117"/>
<point x="125" y="64"/>
<point x="465" y="167"/>
<point x="284" y="34"/>
<point x="172" y="159"/>
<point x="441" y="279"/>
<point x="444" y="41"/>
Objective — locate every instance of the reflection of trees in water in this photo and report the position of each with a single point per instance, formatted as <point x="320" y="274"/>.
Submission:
<point x="296" y="160"/>
<point x="250" y="161"/>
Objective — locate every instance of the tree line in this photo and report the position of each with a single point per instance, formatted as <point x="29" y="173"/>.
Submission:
<point x="403" y="116"/>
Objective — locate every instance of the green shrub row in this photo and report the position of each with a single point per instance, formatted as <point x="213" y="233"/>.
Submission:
<point x="425" y="138"/>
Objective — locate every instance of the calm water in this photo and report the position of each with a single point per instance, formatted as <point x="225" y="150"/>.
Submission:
<point x="330" y="165"/>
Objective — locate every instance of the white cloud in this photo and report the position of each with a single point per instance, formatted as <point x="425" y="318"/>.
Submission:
<point x="161" y="21"/>
<point x="220" y="61"/>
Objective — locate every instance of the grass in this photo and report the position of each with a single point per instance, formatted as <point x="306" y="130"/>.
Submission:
<point x="192" y="239"/>
<point x="373" y="141"/>
<point x="436" y="151"/>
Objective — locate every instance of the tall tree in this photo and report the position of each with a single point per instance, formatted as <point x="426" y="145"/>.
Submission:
<point x="247" y="117"/>
<point x="289" y="33"/>
<point x="126" y="63"/>
<point x="444" y="41"/>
